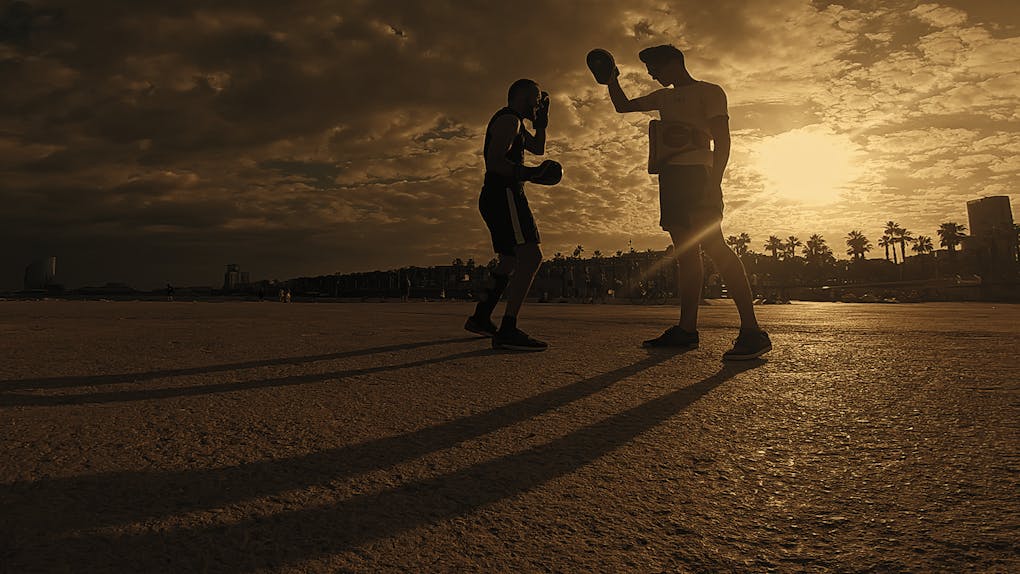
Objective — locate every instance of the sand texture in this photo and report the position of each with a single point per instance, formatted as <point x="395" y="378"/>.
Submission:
<point x="381" y="437"/>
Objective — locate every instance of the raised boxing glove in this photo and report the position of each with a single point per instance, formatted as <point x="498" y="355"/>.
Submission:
<point x="541" y="120"/>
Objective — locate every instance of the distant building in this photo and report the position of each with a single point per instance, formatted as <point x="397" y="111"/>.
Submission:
<point x="993" y="238"/>
<point x="40" y="274"/>
<point x="234" y="278"/>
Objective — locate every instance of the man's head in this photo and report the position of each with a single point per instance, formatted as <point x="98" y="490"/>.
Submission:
<point x="665" y="63"/>
<point x="523" y="97"/>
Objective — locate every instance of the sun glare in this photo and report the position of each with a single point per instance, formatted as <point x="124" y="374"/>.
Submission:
<point x="810" y="164"/>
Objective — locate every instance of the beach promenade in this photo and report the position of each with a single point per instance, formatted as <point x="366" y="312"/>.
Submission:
<point x="381" y="437"/>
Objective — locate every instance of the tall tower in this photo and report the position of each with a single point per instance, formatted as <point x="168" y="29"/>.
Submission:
<point x="993" y="238"/>
<point x="232" y="277"/>
<point x="40" y="274"/>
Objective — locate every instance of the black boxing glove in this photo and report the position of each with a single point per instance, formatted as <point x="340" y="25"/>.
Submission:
<point x="548" y="172"/>
<point x="541" y="120"/>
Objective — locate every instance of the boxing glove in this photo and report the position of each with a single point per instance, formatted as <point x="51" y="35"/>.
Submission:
<point x="541" y="120"/>
<point x="548" y="172"/>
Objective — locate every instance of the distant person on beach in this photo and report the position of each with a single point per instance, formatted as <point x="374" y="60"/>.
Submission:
<point x="169" y="292"/>
<point x="505" y="210"/>
<point x="693" y="116"/>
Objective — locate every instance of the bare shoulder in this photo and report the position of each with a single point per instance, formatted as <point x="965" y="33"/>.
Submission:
<point x="507" y="122"/>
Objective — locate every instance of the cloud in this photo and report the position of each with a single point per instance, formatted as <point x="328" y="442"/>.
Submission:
<point x="160" y="142"/>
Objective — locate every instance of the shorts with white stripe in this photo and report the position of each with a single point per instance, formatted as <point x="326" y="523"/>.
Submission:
<point x="507" y="214"/>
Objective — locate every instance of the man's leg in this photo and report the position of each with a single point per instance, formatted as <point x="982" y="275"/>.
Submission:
<point x="732" y="271"/>
<point x="690" y="276"/>
<point x="490" y="297"/>
<point x="528" y="260"/>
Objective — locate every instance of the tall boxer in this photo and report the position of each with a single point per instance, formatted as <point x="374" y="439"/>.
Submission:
<point x="690" y="188"/>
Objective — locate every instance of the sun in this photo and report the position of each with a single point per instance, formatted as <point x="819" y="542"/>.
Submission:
<point x="810" y="164"/>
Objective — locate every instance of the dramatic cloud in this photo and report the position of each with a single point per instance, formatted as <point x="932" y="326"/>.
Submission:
<point x="148" y="143"/>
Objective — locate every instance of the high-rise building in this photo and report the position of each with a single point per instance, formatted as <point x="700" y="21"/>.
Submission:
<point x="232" y="277"/>
<point x="993" y="238"/>
<point x="40" y="273"/>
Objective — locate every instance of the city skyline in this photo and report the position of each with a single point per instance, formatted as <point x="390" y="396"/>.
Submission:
<point x="149" y="145"/>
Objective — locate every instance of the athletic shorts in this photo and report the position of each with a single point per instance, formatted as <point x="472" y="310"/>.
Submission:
<point x="685" y="198"/>
<point x="507" y="214"/>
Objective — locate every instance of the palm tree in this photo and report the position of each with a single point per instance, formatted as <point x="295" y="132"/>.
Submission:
<point x="922" y="245"/>
<point x="951" y="234"/>
<point x="774" y="244"/>
<point x="815" y="250"/>
<point x="745" y="242"/>
<point x="858" y="244"/>
<point x="791" y="245"/>
<point x="597" y="254"/>
<point x="886" y="241"/>
<point x="739" y="243"/>
<point x="892" y="230"/>
<point x="578" y="251"/>
<point x="903" y="236"/>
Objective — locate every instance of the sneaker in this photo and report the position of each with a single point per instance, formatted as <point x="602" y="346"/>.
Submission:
<point x="484" y="327"/>
<point x="675" y="336"/>
<point x="749" y="345"/>
<point x="517" y="340"/>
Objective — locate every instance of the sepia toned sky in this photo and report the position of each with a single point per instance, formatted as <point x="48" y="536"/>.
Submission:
<point x="147" y="144"/>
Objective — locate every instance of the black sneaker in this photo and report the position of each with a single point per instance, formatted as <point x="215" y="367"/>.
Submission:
<point x="517" y="340"/>
<point x="675" y="336"/>
<point x="484" y="327"/>
<point x="749" y="345"/>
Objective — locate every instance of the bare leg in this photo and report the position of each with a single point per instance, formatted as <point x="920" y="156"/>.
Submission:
<point x="528" y="260"/>
<point x="733" y="274"/>
<point x="490" y="297"/>
<point x="505" y="265"/>
<point x="690" y="274"/>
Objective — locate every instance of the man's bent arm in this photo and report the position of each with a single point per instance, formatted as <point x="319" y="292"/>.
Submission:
<point x="720" y="128"/>
<point x="535" y="143"/>
<point x="623" y="104"/>
<point x="620" y="100"/>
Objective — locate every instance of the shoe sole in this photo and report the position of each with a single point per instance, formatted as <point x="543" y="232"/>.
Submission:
<point x="648" y="345"/>
<point x="480" y="332"/>
<point x="518" y="348"/>
<point x="748" y="357"/>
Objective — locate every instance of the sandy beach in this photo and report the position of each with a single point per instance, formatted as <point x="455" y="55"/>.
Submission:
<point x="381" y="437"/>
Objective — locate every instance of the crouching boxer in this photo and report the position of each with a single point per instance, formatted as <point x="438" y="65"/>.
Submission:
<point x="504" y="208"/>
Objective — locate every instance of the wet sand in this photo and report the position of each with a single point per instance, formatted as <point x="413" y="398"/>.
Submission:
<point x="380" y="437"/>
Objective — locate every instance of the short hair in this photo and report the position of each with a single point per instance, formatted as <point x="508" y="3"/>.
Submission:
<point x="659" y="55"/>
<point x="517" y="87"/>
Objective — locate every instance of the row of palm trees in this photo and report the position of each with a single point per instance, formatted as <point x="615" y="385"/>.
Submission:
<point x="816" y="249"/>
<point x="950" y="234"/>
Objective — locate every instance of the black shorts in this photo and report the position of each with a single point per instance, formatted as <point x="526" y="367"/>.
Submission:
<point x="685" y="199"/>
<point x="505" y="211"/>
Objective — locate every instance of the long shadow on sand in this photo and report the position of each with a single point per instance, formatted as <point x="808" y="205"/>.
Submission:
<point x="8" y="399"/>
<point x="65" y="504"/>
<point x="292" y="536"/>
<point x="121" y="378"/>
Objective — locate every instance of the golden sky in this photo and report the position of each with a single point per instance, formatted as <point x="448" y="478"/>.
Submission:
<point x="147" y="144"/>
